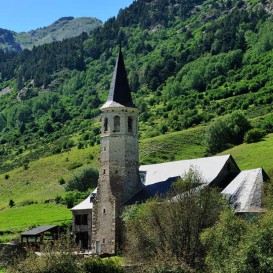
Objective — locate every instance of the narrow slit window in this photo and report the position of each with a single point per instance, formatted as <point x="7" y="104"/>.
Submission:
<point x="116" y="124"/>
<point x="130" y="124"/>
<point x="105" y="125"/>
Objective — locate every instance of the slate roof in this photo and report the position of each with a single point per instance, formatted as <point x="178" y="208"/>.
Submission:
<point x="158" y="178"/>
<point x="152" y="190"/>
<point x="244" y="193"/>
<point x="87" y="203"/>
<point x="37" y="231"/>
<point x="120" y="93"/>
<point x="209" y="168"/>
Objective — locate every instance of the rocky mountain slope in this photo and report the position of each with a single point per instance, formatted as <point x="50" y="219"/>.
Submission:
<point x="66" y="27"/>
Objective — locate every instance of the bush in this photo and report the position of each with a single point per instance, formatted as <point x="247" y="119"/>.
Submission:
<point x="83" y="180"/>
<point x="74" y="165"/>
<point x="168" y="231"/>
<point x="59" y="257"/>
<point x="6" y="176"/>
<point x="92" y="265"/>
<point x="61" y="181"/>
<point x="254" y="135"/>
<point x="226" y="131"/>
<point x="11" y="203"/>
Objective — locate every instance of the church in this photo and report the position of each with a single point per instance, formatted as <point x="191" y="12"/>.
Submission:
<point x="97" y="224"/>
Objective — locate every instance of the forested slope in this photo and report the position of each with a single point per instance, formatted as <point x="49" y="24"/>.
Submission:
<point x="187" y="62"/>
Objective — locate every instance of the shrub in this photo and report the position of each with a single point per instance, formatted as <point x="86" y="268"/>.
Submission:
<point x="83" y="180"/>
<point x="74" y="165"/>
<point x="168" y="231"/>
<point x="103" y="266"/>
<point x="6" y="176"/>
<point x="80" y="145"/>
<point x="11" y="203"/>
<point x="226" y="131"/>
<point x="25" y="165"/>
<point x="254" y="135"/>
<point x="61" y="181"/>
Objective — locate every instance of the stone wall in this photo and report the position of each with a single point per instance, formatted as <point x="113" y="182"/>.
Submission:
<point x="119" y="176"/>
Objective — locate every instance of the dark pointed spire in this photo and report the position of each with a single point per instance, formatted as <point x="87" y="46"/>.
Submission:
<point x="120" y="93"/>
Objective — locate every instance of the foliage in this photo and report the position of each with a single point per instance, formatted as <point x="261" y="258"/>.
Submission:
<point x="91" y="265"/>
<point x="187" y="64"/>
<point x="254" y="135"/>
<point x="222" y="239"/>
<point x="226" y="131"/>
<point x="59" y="256"/>
<point x="71" y="199"/>
<point x="11" y="203"/>
<point x="83" y="180"/>
<point x="235" y="245"/>
<point x="168" y="231"/>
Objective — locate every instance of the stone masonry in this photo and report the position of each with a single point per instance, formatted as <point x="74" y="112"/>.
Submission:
<point x="119" y="176"/>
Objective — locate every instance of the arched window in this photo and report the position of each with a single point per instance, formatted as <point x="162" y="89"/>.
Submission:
<point x="105" y="125"/>
<point x="130" y="124"/>
<point x="116" y="123"/>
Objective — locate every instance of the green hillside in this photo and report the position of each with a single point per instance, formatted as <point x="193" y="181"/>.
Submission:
<point x="254" y="155"/>
<point x="23" y="187"/>
<point x="188" y="62"/>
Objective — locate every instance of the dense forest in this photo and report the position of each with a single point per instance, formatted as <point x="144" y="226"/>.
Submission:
<point x="188" y="62"/>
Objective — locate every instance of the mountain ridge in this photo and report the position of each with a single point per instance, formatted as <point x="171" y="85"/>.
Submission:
<point x="63" y="28"/>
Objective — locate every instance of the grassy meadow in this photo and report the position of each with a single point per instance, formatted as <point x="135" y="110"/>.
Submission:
<point x="180" y="145"/>
<point x="254" y="155"/>
<point x="17" y="219"/>
<point x="39" y="182"/>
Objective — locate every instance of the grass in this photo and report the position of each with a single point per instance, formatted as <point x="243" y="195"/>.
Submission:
<point x="17" y="219"/>
<point x="254" y="155"/>
<point x="185" y="144"/>
<point x="39" y="182"/>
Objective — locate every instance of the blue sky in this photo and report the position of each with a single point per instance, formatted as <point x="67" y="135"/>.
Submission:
<point x="25" y="15"/>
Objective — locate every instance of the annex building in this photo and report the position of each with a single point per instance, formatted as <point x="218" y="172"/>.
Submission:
<point x="96" y="221"/>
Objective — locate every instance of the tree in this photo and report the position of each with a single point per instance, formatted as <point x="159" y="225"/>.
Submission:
<point x="236" y="245"/>
<point x="83" y="180"/>
<point x="168" y="231"/>
<point x="226" y="131"/>
<point x="254" y="135"/>
<point x="59" y="257"/>
<point x="221" y="241"/>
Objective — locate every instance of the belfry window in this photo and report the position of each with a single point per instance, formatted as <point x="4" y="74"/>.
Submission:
<point x="116" y="123"/>
<point x="130" y="124"/>
<point x="105" y="125"/>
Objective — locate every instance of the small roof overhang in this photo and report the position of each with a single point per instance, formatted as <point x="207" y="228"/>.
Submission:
<point x="38" y="230"/>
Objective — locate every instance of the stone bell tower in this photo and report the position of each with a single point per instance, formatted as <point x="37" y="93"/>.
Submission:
<point x="119" y="166"/>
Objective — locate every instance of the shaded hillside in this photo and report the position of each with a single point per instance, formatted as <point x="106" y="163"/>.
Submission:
<point x="187" y="61"/>
<point x="66" y="27"/>
<point x="8" y="41"/>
